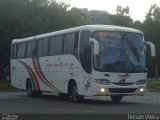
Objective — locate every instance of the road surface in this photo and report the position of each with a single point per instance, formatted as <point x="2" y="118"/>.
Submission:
<point x="19" y="102"/>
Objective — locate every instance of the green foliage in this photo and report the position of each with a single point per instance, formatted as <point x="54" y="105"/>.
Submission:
<point x="6" y="86"/>
<point x="154" y="84"/>
<point x="122" y="17"/>
<point x="24" y="18"/>
<point x="151" y="27"/>
<point x="121" y="20"/>
<point x="122" y="11"/>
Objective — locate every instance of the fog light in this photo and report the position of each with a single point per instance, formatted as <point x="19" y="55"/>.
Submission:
<point x="141" y="89"/>
<point x="102" y="90"/>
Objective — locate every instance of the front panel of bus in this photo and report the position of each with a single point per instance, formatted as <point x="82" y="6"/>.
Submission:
<point x="119" y="68"/>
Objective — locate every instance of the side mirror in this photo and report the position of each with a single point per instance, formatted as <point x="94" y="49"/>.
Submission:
<point x="96" y="46"/>
<point x="153" y="51"/>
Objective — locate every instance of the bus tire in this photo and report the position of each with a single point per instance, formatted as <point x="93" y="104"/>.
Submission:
<point x="29" y="88"/>
<point x="30" y="91"/>
<point x="74" y="94"/>
<point x="116" y="98"/>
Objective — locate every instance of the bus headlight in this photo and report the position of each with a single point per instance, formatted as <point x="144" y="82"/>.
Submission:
<point x="141" y="90"/>
<point x="102" y="90"/>
<point x="103" y="81"/>
<point x="140" y="82"/>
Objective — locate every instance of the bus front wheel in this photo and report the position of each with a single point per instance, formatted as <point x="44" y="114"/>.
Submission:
<point x="74" y="95"/>
<point x="116" y="98"/>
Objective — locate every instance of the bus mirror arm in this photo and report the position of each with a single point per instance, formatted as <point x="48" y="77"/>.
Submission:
<point x="152" y="47"/>
<point x="95" y="46"/>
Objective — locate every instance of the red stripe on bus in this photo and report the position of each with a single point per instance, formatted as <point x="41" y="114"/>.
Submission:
<point x="35" y="79"/>
<point x="37" y="86"/>
<point x="37" y="70"/>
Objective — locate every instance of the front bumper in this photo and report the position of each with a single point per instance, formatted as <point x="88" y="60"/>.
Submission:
<point x="106" y="90"/>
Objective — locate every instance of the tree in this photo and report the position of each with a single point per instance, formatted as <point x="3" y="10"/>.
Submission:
<point x="122" y="10"/>
<point x="151" y="27"/>
<point x="121" y="20"/>
<point x="24" y="18"/>
<point x="137" y="25"/>
<point x="122" y="17"/>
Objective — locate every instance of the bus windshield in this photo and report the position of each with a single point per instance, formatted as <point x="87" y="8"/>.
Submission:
<point x="120" y="52"/>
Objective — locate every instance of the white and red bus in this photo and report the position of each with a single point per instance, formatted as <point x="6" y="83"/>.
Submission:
<point x="90" y="60"/>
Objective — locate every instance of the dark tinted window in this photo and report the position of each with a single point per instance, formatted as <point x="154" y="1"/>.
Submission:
<point x="43" y="47"/>
<point x="21" y="48"/>
<point x="85" y="50"/>
<point x="69" y="43"/>
<point x="34" y="48"/>
<point x="31" y="48"/>
<point x="52" y="46"/>
<point x="14" y="51"/>
<point x="18" y="50"/>
<point x="59" y="44"/>
<point x="84" y="38"/>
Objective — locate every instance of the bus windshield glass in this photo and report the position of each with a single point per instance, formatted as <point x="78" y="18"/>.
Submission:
<point x="120" y="52"/>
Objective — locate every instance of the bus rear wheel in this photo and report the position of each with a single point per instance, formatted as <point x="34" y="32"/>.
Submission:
<point x="31" y="92"/>
<point x="116" y="98"/>
<point x="74" y="95"/>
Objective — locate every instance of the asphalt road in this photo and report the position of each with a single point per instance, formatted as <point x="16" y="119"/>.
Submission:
<point x="19" y="102"/>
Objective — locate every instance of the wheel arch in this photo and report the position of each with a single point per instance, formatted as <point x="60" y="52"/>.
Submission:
<point x="70" y="85"/>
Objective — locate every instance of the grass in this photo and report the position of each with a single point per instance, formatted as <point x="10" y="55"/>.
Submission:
<point x="154" y="84"/>
<point x="6" y="87"/>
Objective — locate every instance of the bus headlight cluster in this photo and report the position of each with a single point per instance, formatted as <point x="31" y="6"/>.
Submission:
<point x="102" y="90"/>
<point x="103" y="81"/>
<point x="140" y="82"/>
<point x="141" y="89"/>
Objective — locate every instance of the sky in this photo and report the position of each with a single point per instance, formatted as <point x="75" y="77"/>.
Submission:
<point x="138" y="8"/>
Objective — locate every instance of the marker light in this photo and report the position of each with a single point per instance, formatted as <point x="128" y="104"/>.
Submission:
<point x="102" y="90"/>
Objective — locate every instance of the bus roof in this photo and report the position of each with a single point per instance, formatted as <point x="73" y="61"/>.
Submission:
<point x="92" y="28"/>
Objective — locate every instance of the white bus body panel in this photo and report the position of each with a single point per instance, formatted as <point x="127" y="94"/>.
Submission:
<point x="57" y="70"/>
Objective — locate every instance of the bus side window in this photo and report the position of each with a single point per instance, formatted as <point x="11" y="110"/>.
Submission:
<point x="85" y="51"/>
<point x="18" y="50"/>
<point x="23" y="50"/>
<point x="76" y="42"/>
<point x="69" y="43"/>
<point x="43" y="47"/>
<point x="34" y="48"/>
<point x="29" y="48"/>
<point x="52" y="50"/>
<point x="40" y="47"/>
<point x="14" y="51"/>
<point x="59" y="44"/>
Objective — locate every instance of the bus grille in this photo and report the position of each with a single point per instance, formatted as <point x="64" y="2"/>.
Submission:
<point x="122" y="84"/>
<point x="122" y="90"/>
